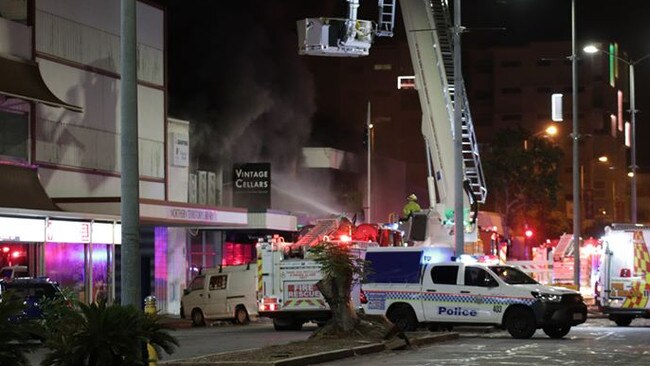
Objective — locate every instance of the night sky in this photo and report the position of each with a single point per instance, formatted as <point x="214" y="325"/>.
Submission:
<point x="234" y="71"/>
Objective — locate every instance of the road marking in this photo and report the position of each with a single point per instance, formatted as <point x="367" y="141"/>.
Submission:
<point x="604" y="335"/>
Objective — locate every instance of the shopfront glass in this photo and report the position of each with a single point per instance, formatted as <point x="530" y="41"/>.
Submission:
<point x="65" y="263"/>
<point x="101" y="265"/>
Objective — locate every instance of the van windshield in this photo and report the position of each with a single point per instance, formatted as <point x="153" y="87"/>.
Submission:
<point x="512" y="275"/>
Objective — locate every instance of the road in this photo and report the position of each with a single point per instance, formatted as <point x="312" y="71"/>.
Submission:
<point x="220" y="338"/>
<point x="597" y="342"/>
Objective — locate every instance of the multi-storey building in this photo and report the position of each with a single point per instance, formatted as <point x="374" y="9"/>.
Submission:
<point x="511" y="86"/>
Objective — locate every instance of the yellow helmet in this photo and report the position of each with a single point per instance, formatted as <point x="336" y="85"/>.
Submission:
<point x="412" y="197"/>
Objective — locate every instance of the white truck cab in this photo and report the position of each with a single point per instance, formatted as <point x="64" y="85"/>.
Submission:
<point x="225" y="293"/>
<point x="411" y="286"/>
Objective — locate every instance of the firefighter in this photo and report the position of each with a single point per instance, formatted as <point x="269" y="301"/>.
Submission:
<point x="411" y="206"/>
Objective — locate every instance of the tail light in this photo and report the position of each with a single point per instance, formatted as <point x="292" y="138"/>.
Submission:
<point x="362" y="297"/>
<point x="625" y="272"/>
<point x="269" y="304"/>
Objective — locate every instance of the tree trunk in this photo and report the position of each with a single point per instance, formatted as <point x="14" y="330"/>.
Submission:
<point x="337" y="294"/>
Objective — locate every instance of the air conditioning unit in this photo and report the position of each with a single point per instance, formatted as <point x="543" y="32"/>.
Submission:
<point x="203" y="187"/>
<point x="192" y="189"/>
<point x="212" y="189"/>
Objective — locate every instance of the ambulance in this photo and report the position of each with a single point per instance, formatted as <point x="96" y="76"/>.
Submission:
<point x="415" y="286"/>
<point x="623" y="286"/>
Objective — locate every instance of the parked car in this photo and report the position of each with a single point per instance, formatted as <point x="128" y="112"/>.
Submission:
<point x="33" y="291"/>
<point x="227" y="293"/>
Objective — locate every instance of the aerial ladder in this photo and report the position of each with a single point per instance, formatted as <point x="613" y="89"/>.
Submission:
<point x="428" y="30"/>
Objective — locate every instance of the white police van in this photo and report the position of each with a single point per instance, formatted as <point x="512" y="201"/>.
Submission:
<point x="414" y="286"/>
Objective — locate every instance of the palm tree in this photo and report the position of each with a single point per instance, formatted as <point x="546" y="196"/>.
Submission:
<point x="14" y="333"/>
<point x="101" y="335"/>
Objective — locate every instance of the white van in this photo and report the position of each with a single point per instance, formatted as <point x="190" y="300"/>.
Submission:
<point x="225" y="293"/>
<point x="411" y="286"/>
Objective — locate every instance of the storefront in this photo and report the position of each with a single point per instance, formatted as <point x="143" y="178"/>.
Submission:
<point x="76" y="250"/>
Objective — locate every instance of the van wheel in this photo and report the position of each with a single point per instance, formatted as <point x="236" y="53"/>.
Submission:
<point x="556" y="332"/>
<point x="520" y="323"/>
<point x="241" y="316"/>
<point x="197" y="318"/>
<point x="403" y="317"/>
<point x="622" y="320"/>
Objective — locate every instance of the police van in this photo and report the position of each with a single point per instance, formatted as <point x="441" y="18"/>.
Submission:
<point x="414" y="286"/>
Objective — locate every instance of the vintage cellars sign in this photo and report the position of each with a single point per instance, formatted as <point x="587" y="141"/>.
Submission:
<point x="252" y="186"/>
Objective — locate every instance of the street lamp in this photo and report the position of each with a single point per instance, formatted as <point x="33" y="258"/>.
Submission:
<point x="549" y="131"/>
<point x="575" y="136"/>
<point x="591" y="49"/>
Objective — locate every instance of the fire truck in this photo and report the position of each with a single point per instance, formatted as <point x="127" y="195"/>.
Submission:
<point x="429" y="34"/>
<point x="623" y="287"/>
<point x="287" y="276"/>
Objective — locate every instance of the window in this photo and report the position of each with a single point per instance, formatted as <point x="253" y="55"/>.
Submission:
<point x="15" y="10"/>
<point x="218" y="282"/>
<point x="444" y="275"/>
<point x="197" y="283"/>
<point x="475" y="276"/>
<point x="13" y="134"/>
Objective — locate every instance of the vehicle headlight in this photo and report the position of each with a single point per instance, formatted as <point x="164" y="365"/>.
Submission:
<point x="546" y="297"/>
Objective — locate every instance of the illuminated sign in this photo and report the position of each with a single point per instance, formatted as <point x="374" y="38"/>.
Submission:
<point x="24" y="230"/>
<point x="102" y="233"/>
<point x="252" y="186"/>
<point x="67" y="232"/>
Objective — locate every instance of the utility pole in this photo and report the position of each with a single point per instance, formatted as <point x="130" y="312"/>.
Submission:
<point x="459" y="231"/>
<point x="576" y="152"/>
<point x="369" y="141"/>
<point x="129" y="184"/>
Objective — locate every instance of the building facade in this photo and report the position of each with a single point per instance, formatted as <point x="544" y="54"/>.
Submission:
<point x="510" y="86"/>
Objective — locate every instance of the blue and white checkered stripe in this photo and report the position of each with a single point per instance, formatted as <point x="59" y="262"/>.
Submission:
<point x="454" y="298"/>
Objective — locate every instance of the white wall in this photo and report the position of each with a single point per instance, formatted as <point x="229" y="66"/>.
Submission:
<point x="62" y="183"/>
<point x="15" y="39"/>
<point x="84" y="35"/>
<point x="87" y="32"/>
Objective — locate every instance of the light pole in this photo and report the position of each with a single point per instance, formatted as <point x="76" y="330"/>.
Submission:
<point x="576" y="151"/>
<point x="591" y="49"/>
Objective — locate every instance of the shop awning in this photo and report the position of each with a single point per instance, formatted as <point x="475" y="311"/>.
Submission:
<point x="22" y="79"/>
<point x="20" y="187"/>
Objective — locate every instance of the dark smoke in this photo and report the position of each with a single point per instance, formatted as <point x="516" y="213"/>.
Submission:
<point x="236" y="75"/>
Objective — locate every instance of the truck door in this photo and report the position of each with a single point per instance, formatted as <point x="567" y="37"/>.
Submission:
<point x="479" y="291"/>
<point x="217" y="294"/>
<point x="439" y="293"/>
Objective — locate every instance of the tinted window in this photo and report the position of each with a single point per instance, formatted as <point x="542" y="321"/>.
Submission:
<point x="35" y="290"/>
<point x="218" y="282"/>
<point x="512" y="275"/>
<point x="444" y="275"/>
<point x="475" y="276"/>
<point x="197" y="283"/>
